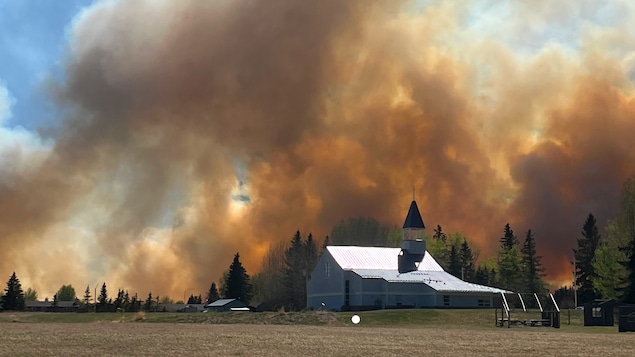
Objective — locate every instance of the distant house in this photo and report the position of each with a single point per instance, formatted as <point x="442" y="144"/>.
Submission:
<point x="48" y="306"/>
<point x="225" y="305"/>
<point x="365" y="278"/>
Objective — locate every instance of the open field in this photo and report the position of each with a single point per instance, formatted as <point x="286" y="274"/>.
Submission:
<point x="431" y="332"/>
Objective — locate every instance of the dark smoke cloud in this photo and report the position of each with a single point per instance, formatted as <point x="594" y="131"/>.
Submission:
<point x="323" y="111"/>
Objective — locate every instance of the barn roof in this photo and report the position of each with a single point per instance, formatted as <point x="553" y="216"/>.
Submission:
<point x="352" y="257"/>
<point x="220" y="302"/>
<point x="413" y="219"/>
<point x="438" y="280"/>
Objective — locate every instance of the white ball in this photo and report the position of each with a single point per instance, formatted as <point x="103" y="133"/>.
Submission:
<point x="355" y="319"/>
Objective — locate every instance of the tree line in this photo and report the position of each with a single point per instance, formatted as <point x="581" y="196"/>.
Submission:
<point x="235" y="285"/>
<point x="603" y="267"/>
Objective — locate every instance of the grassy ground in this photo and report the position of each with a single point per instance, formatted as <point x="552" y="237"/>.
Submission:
<point x="144" y="339"/>
<point x="386" y="332"/>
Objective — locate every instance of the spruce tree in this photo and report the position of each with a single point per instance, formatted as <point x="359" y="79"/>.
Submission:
<point x="467" y="262"/>
<point x="87" y="295"/>
<point x="454" y="263"/>
<point x="584" y="254"/>
<point x="238" y="285"/>
<point x="438" y="233"/>
<point x="510" y="266"/>
<point x="509" y="240"/>
<point x="533" y="271"/>
<point x="212" y="295"/>
<point x="147" y="306"/>
<point x="102" y="301"/>
<point x="311" y="255"/>
<point x="13" y="298"/>
<point x="294" y="278"/>
<point x="509" y="261"/>
<point x="482" y="275"/>
<point x="325" y="244"/>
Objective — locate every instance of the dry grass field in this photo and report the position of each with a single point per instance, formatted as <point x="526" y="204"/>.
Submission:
<point x="419" y="332"/>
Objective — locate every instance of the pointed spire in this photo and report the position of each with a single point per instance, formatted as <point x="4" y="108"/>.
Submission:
<point x="413" y="219"/>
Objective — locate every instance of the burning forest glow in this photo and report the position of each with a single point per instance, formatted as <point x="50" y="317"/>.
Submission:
<point x="519" y="112"/>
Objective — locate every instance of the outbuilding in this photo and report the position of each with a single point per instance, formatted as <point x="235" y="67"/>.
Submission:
<point x="599" y="312"/>
<point x="225" y="305"/>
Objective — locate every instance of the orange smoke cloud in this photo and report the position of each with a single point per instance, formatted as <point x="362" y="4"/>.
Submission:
<point x="318" y="111"/>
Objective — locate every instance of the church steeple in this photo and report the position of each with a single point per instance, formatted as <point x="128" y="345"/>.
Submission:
<point x="413" y="227"/>
<point x="413" y="245"/>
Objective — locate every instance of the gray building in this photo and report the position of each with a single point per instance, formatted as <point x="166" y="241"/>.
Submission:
<point x="225" y="305"/>
<point x="362" y="278"/>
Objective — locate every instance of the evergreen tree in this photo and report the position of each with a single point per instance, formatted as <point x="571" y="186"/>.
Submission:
<point x="311" y="256"/>
<point x="294" y="279"/>
<point x="482" y="275"/>
<point x="118" y="303"/>
<point x="467" y="262"/>
<point x="102" y="300"/>
<point x="509" y="261"/>
<point x="238" y="286"/>
<point x="13" y="298"/>
<point x="454" y="262"/>
<point x="147" y="306"/>
<point x="87" y="295"/>
<point x="212" y="295"/>
<point x="135" y="304"/>
<point x="533" y="269"/>
<point x="584" y="255"/>
<point x="66" y="293"/>
<point x="30" y="295"/>
<point x="510" y="266"/>
<point x="509" y="240"/>
<point x="325" y="244"/>
<point x="438" y="233"/>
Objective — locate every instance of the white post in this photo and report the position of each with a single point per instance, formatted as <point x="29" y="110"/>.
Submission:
<point x="522" y="302"/>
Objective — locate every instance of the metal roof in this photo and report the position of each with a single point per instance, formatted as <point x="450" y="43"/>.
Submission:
<point x="352" y="257"/>
<point x="381" y="263"/>
<point x="220" y="302"/>
<point x="437" y="280"/>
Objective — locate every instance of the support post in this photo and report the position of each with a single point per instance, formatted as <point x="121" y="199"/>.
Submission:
<point x="522" y="302"/>
<point x="538" y="300"/>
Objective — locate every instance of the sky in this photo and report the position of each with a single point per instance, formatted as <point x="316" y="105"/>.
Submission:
<point x="144" y="143"/>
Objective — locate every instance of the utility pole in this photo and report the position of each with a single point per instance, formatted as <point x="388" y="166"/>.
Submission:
<point x="575" y="285"/>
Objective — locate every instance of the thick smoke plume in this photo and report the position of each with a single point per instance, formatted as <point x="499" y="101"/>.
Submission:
<point x="308" y="112"/>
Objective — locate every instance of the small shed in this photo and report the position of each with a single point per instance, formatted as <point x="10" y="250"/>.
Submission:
<point x="599" y="312"/>
<point x="627" y="318"/>
<point x="225" y="305"/>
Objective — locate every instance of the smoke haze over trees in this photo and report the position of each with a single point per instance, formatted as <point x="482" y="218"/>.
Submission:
<point x="190" y="130"/>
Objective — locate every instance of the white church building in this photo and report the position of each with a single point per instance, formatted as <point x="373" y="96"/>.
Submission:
<point x="364" y="278"/>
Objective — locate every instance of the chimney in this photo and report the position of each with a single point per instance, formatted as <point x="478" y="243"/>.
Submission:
<point x="413" y="245"/>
